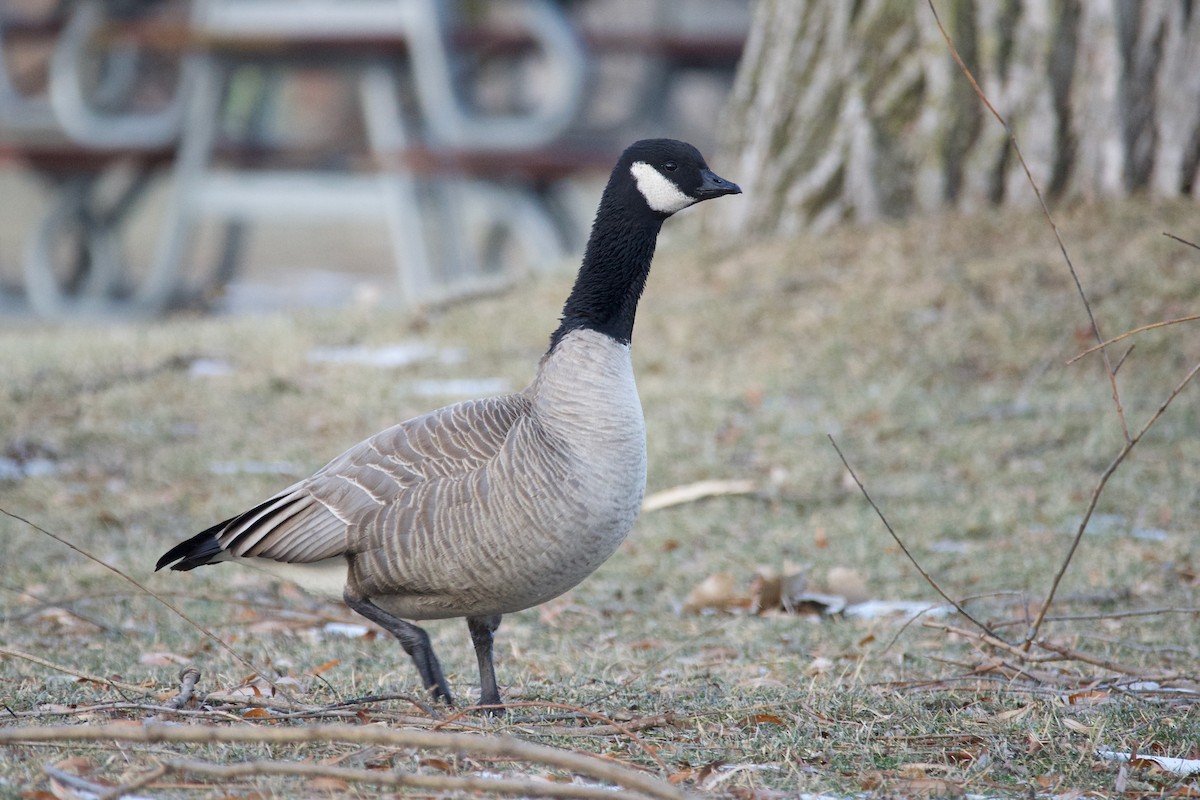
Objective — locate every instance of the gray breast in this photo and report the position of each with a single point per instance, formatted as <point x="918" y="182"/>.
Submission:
<point x="554" y="501"/>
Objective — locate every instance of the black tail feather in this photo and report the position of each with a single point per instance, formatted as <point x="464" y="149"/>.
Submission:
<point x="195" y="552"/>
<point x="204" y="548"/>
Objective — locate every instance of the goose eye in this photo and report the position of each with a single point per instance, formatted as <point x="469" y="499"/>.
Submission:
<point x="670" y="166"/>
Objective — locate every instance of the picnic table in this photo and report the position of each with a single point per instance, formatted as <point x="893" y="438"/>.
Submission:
<point x="140" y="90"/>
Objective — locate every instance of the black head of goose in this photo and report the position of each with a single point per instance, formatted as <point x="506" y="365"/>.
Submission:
<point x="492" y="506"/>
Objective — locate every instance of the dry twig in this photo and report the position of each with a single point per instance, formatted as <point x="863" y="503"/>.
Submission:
<point x="929" y="578"/>
<point x="500" y="747"/>
<point x="1181" y="240"/>
<point x="1130" y="440"/>
<point x="207" y="633"/>
<point x="458" y="784"/>
<point x="64" y="604"/>
<point x="690" y="492"/>
<point x="73" y="781"/>
<point x="608" y="721"/>
<point x="1052" y="653"/>
<point x="144" y="780"/>
<point x="118" y="685"/>
<point x="1032" y="633"/>
<point x="1135" y="612"/>
<point x="1133" y="332"/>
<point x="188" y="676"/>
<point x="1012" y="138"/>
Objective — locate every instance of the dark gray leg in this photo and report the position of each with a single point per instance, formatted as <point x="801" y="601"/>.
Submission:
<point x="482" y="629"/>
<point x="414" y="641"/>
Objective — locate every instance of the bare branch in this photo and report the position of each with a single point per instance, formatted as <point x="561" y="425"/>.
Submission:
<point x="64" y="604"/>
<point x="1181" y="240"/>
<point x="188" y="676"/>
<point x="1012" y="138"/>
<point x="1133" y="332"/>
<point x="1137" y="612"/>
<point x="1087" y="658"/>
<point x="146" y="779"/>
<point x="78" y="783"/>
<point x="1108" y="472"/>
<point x="958" y="607"/>
<point x="502" y="747"/>
<point x="109" y="682"/>
<point x="207" y="633"/>
<point x="618" y="727"/>
<point x="438" y="783"/>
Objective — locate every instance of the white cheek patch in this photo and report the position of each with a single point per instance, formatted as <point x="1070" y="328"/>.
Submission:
<point x="660" y="192"/>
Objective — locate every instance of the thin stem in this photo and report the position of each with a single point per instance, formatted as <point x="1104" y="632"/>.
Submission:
<point x="1116" y="462"/>
<point x="1181" y="240"/>
<point x="216" y="639"/>
<point x="1134" y="332"/>
<point x="929" y="578"/>
<point x="1012" y="138"/>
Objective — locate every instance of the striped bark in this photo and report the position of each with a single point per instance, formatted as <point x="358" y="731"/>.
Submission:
<point x="857" y="110"/>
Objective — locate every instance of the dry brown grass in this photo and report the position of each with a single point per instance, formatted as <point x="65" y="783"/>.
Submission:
<point x="934" y="350"/>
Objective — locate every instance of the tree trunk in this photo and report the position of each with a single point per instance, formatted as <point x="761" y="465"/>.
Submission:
<point x="857" y="110"/>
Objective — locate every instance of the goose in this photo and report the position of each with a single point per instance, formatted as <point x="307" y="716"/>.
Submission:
<point x="491" y="506"/>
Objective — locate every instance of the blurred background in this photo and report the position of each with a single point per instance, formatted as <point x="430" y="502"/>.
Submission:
<point x="182" y="169"/>
<point x="158" y="155"/>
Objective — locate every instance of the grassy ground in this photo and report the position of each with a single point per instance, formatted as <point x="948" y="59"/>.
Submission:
<point x="934" y="352"/>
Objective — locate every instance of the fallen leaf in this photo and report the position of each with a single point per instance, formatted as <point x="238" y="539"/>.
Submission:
<point x="765" y="719"/>
<point x="932" y="787"/>
<point x="848" y="583"/>
<point x="256" y="713"/>
<point x="747" y="793"/>
<point x="919" y="769"/>
<point x="792" y="592"/>
<point x="873" y="609"/>
<point x="960" y="756"/>
<point x="766" y="593"/>
<point x="1014" y="714"/>
<point x="60" y="791"/>
<point x="328" y="665"/>
<point x="718" y="592"/>
<point x="437" y="763"/>
<point x="870" y="780"/>
<point x="708" y="769"/>
<point x="1091" y="697"/>
<point x="1175" y="766"/>
<point x="1077" y="726"/>
<point x="695" y="491"/>
<point x="681" y="776"/>
<point x="80" y="766"/>
<point x="348" y="630"/>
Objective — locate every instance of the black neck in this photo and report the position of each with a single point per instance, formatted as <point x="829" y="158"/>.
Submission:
<point x="610" y="281"/>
